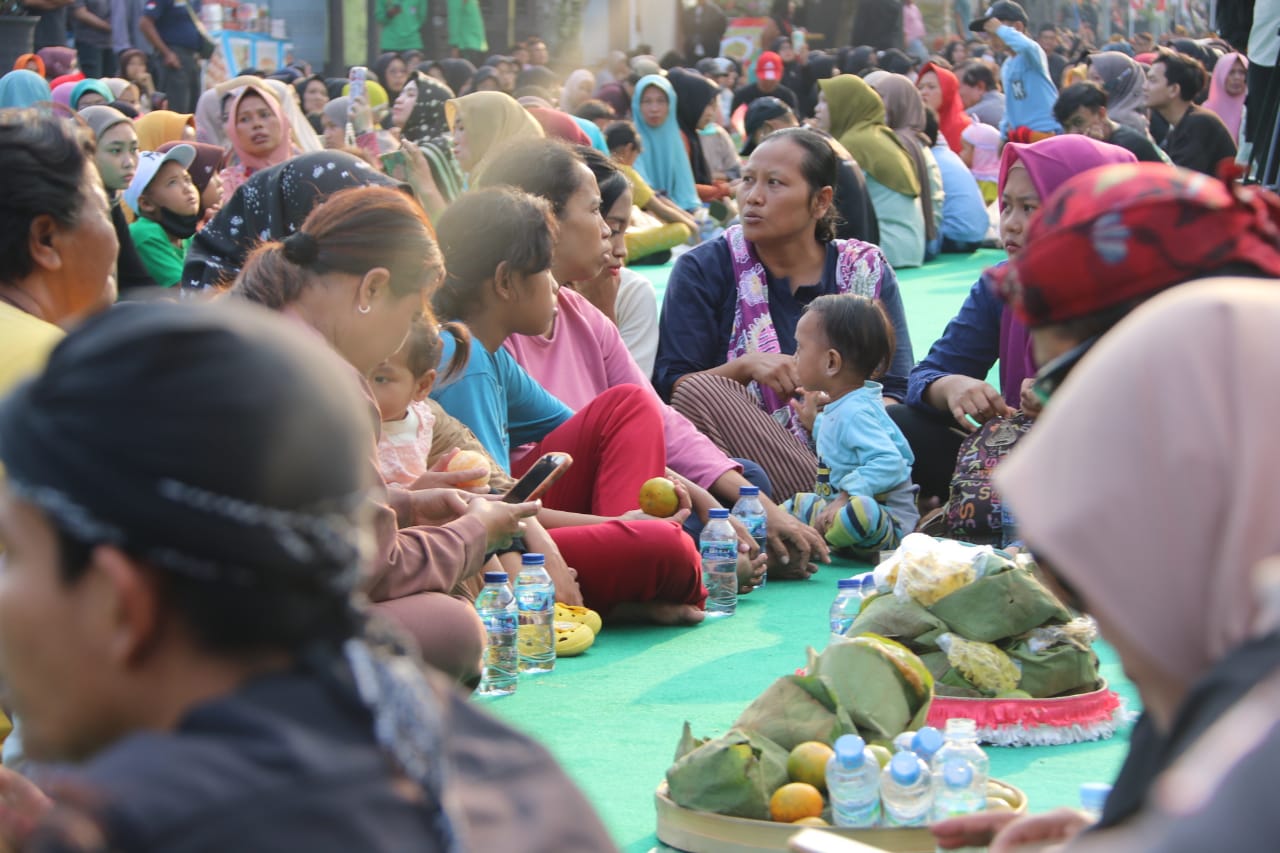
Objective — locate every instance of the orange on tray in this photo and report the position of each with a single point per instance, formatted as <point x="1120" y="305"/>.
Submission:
<point x="794" y="801"/>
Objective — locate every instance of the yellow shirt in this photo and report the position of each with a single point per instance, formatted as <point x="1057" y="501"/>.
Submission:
<point x="25" y="343"/>
<point x="641" y="192"/>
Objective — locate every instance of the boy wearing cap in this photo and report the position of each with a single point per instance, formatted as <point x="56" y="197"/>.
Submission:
<point x="768" y="83"/>
<point x="1028" y="88"/>
<point x="165" y="199"/>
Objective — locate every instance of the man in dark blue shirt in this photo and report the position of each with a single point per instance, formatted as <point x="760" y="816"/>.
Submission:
<point x="173" y="30"/>
<point x="51" y="31"/>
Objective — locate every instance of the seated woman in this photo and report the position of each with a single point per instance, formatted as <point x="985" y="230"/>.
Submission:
<point x="259" y="134"/>
<point x="419" y="112"/>
<point x="853" y="113"/>
<point x="161" y="126"/>
<point x="727" y="331"/>
<point x="483" y="122"/>
<point x="663" y="162"/>
<point x="356" y="271"/>
<point x="498" y="247"/>
<point x="649" y="241"/>
<point x="117" y="160"/>
<point x="940" y="90"/>
<point x="904" y="113"/>
<point x="948" y="387"/>
<point x="696" y="108"/>
<point x="583" y="355"/>
<point x="202" y="640"/>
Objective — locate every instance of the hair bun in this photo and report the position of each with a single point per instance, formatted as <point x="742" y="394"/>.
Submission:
<point x="301" y="248"/>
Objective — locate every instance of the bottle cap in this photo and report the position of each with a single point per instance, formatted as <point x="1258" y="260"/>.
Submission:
<point x="850" y="751"/>
<point x="533" y="560"/>
<point x="958" y="773"/>
<point x="926" y="742"/>
<point x="962" y="727"/>
<point x="904" y="742"/>
<point x="1093" y="796"/>
<point x="718" y="512"/>
<point x="495" y="577"/>
<point x="868" y="582"/>
<point x="848" y="583"/>
<point x="748" y="491"/>
<point x="905" y="768"/>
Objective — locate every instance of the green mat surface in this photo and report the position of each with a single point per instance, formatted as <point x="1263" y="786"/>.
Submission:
<point x="613" y="716"/>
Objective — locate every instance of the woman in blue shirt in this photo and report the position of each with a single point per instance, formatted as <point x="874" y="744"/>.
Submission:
<point x="727" y="331"/>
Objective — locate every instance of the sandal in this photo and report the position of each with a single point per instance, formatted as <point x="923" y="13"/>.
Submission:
<point x="572" y="638"/>
<point x="579" y="615"/>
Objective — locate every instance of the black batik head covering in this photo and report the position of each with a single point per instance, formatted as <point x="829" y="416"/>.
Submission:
<point x="271" y="205"/>
<point x="693" y="93"/>
<point x="258" y="480"/>
<point x="457" y="73"/>
<point x="428" y="128"/>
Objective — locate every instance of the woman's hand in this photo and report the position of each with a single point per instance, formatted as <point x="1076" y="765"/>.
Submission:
<point x="965" y="396"/>
<point x="807" y="409"/>
<point x="416" y="172"/>
<point x="793" y="545"/>
<point x="439" y="477"/>
<point x="538" y="541"/>
<point x="502" y="521"/>
<point x="775" y="371"/>
<point x="22" y="807"/>
<point x="1040" y="830"/>
<point x="360" y="114"/>
<point x="437" y="506"/>
<point x="974" y="830"/>
<point x="684" y="506"/>
<point x="1028" y="400"/>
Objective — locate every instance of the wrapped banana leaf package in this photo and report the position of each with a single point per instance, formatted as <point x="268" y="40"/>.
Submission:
<point x="999" y="606"/>
<point x="795" y="709"/>
<point x="883" y="686"/>
<point x="900" y="619"/>
<point x="731" y="775"/>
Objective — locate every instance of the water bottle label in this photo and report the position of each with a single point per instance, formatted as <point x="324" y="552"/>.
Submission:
<point x="535" y="598"/>
<point x="502" y="622"/>
<point x="719" y="551"/>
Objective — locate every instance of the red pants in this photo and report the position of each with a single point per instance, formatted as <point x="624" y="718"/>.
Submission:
<point x="616" y="442"/>
<point x="632" y="561"/>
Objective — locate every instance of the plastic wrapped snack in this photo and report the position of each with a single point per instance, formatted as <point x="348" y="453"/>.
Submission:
<point x="982" y="664"/>
<point x="1081" y="631"/>
<point x="926" y="569"/>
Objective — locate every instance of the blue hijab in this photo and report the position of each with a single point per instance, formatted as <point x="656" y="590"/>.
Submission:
<point x="594" y="133"/>
<point x="22" y="89"/>
<point x="663" y="162"/>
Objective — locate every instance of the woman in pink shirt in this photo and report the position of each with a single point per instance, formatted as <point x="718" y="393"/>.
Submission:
<point x="583" y="355"/>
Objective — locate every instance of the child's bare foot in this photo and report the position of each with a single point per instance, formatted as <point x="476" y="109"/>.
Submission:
<point x="658" y="613"/>
<point x="751" y="572"/>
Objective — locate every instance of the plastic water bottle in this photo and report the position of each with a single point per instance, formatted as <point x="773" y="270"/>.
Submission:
<point x="926" y="743"/>
<point x="960" y="770"/>
<point x="1093" y="798"/>
<point x="719" y="547"/>
<point x="905" y="791"/>
<point x="497" y="608"/>
<point x="853" y="783"/>
<point x="846" y="606"/>
<point x="536" y="601"/>
<point x="750" y="512"/>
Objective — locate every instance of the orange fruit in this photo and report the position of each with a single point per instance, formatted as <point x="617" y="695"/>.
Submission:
<point x="808" y="763"/>
<point x="465" y="460"/>
<point x="795" y="800"/>
<point x="658" y="497"/>
<point x="810" y="821"/>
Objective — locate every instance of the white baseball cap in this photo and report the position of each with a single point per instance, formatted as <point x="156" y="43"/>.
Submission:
<point x="149" y="163"/>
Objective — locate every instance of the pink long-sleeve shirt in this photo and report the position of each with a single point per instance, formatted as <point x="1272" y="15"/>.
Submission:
<point x="584" y="357"/>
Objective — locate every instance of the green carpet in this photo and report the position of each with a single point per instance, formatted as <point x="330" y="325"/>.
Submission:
<point x="613" y="716"/>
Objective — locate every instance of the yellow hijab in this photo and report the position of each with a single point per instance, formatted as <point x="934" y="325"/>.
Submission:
<point x="161" y="126"/>
<point x="857" y="121"/>
<point x="491" y="119"/>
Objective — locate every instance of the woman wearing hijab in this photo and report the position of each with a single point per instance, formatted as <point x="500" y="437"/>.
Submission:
<point x="904" y="112"/>
<point x="854" y="114"/>
<point x="725" y="353"/>
<point x="1124" y="81"/>
<point x="392" y="72"/>
<point x="578" y="87"/>
<point x="334" y="119"/>
<point x="90" y="93"/>
<point x="30" y="62"/>
<point x="58" y="61"/>
<point x="420" y="114"/>
<point x="559" y="125"/>
<point x="259" y="134"/>
<point x="1227" y="92"/>
<point x="941" y="91"/>
<point x="63" y="90"/>
<point x="456" y="73"/>
<point x="281" y="199"/>
<point x="116" y="157"/>
<point x="161" y="126"/>
<point x="663" y="163"/>
<point x="211" y="121"/>
<point x="229" y="643"/>
<point x="53" y="199"/>
<point x="696" y="107"/>
<point x="819" y="67"/>
<point x="23" y="88"/>
<point x="313" y="93"/>
<point x="948" y="388"/>
<point x="482" y="123"/>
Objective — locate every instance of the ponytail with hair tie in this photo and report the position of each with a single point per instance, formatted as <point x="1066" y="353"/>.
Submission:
<point x="301" y="249"/>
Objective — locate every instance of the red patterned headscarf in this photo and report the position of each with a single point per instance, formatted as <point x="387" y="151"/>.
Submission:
<point x="1120" y="233"/>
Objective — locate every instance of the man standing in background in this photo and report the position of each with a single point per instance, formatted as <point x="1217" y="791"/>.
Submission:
<point x="401" y="23"/>
<point x="51" y="31"/>
<point x="704" y="27"/>
<point x="170" y="26"/>
<point x="126" y="27"/>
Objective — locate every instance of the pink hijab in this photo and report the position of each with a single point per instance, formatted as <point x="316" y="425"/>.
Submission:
<point x="985" y="140"/>
<point x="1149" y="482"/>
<point x="283" y="151"/>
<point x="1227" y="108"/>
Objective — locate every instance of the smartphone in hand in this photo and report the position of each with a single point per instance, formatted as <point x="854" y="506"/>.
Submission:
<point x="539" y="478"/>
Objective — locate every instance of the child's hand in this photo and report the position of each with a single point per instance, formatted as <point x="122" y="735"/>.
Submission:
<point x="828" y="515"/>
<point x="807" y="409"/>
<point x="440" y="477"/>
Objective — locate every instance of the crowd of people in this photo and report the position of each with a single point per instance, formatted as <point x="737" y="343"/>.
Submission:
<point x="231" y="530"/>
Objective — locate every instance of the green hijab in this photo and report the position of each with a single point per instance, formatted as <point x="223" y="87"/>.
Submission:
<point x="857" y="121"/>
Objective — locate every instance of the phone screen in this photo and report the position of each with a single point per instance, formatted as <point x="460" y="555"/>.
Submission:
<point x="545" y="470"/>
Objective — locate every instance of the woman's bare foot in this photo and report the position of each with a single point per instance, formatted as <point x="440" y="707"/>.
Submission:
<point x="751" y="572"/>
<point x="658" y="613"/>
